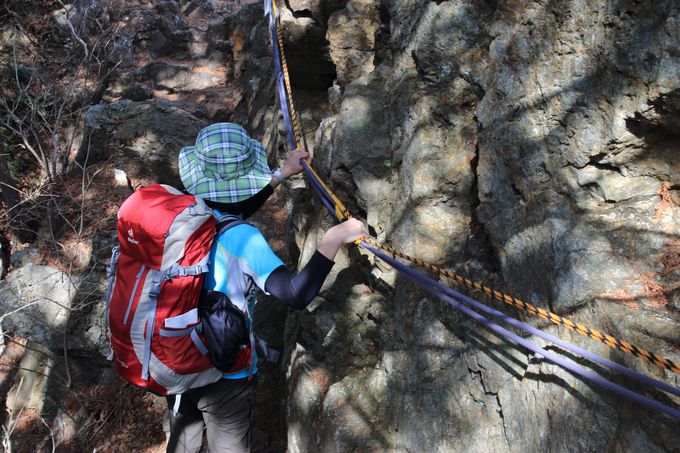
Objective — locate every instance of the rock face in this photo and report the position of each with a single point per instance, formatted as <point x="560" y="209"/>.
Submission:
<point x="529" y="145"/>
<point x="525" y="144"/>
<point x="35" y="302"/>
<point x="149" y="134"/>
<point x="185" y="66"/>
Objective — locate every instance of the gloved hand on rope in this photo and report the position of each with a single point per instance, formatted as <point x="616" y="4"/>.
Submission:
<point x="339" y="235"/>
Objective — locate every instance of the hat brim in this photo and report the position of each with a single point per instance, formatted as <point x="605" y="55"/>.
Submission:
<point x="223" y="190"/>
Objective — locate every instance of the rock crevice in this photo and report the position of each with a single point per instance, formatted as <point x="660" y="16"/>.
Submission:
<point x="516" y="144"/>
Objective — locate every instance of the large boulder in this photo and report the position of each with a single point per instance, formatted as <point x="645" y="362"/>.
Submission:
<point x="148" y="134"/>
<point x="351" y="34"/>
<point x="35" y="302"/>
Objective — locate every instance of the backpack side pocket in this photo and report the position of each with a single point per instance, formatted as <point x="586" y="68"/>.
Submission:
<point x="224" y="327"/>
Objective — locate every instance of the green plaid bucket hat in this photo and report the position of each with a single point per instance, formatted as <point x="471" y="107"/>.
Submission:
<point x="225" y="165"/>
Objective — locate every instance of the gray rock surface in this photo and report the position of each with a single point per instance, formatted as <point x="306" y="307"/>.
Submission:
<point x="29" y="392"/>
<point x="35" y="302"/>
<point x="148" y="134"/>
<point x="524" y="144"/>
<point x="529" y="145"/>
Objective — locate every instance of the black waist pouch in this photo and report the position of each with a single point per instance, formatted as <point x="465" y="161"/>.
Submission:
<point x="224" y="328"/>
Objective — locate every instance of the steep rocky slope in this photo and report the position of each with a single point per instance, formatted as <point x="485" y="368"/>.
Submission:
<point x="530" y="145"/>
<point x="526" y="144"/>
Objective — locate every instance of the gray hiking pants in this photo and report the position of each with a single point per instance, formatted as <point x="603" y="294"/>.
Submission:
<point x="223" y="408"/>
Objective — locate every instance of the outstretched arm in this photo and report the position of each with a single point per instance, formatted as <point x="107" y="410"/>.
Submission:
<point x="297" y="291"/>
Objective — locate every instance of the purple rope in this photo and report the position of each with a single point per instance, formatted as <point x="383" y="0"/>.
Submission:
<point x="546" y="336"/>
<point x="316" y="184"/>
<point x="321" y="193"/>
<point x="431" y="286"/>
<point x="280" y="84"/>
<point x="283" y="99"/>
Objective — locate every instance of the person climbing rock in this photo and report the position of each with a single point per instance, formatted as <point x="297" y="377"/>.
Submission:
<point x="228" y="169"/>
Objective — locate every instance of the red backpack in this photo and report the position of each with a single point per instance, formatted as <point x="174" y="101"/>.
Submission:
<point x="156" y="276"/>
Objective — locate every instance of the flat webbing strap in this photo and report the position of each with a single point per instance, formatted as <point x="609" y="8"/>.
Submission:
<point x="595" y="334"/>
<point x="440" y="291"/>
<point x="291" y="117"/>
<point x="328" y="198"/>
<point x="612" y="342"/>
<point x="286" y="78"/>
<point x="534" y="331"/>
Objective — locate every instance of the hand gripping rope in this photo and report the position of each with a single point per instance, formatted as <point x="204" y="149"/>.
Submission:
<point x="460" y="301"/>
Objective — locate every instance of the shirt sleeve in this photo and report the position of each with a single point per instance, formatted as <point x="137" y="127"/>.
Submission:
<point x="299" y="290"/>
<point x="254" y="255"/>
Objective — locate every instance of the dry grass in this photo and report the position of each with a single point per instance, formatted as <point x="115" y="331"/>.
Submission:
<point x="652" y="291"/>
<point x="115" y="417"/>
<point x="121" y="418"/>
<point x="666" y="204"/>
<point x="671" y="258"/>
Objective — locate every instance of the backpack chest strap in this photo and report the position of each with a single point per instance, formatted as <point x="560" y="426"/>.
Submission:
<point x="182" y="271"/>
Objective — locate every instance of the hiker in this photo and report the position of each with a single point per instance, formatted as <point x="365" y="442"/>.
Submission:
<point x="229" y="171"/>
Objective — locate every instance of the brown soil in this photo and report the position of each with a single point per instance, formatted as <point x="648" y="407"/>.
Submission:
<point x="671" y="259"/>
<point x="116" y="417"/>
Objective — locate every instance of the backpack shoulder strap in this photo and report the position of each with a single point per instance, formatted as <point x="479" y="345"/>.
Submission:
<point x="227" y="222"/>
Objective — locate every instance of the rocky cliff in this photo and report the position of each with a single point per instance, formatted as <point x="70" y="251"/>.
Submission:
<point x="529" y="145"/>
